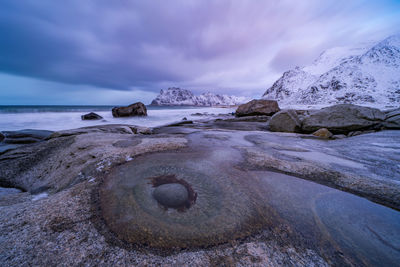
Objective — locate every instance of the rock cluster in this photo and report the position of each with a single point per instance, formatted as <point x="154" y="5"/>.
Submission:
<point x="336" y="121"/>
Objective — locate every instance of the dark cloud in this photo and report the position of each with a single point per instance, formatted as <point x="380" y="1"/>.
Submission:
<point x="149" y="44"/>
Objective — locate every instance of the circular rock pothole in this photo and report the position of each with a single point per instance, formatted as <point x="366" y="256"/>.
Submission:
<point x="173" y="200"/>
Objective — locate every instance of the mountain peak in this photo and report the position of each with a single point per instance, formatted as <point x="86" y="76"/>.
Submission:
<point x="367" y="74"/>
<point x="182" y="97"/>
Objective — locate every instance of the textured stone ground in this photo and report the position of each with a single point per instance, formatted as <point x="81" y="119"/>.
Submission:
<point x="58" y="219"/>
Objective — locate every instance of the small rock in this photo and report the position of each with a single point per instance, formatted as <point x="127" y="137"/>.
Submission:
<point x="184" y="119"/>
<point x="144" y="130"/>
<point x="323" y="133"/>
<point x="172" y="195"/>
<point x="258" y="107"/>
<point x="136" y="109"/>
<point x="91" y="116"/>
<point x="285" y="121"/>
<point x="338" y="136"/>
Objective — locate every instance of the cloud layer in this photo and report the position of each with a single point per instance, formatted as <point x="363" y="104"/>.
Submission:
<point x="227" y="46"/>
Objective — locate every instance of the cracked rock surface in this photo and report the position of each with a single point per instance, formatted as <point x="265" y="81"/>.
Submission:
<point x="262" y="199"/>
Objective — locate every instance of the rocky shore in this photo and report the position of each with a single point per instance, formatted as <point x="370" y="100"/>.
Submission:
<point x="322" y="188"/>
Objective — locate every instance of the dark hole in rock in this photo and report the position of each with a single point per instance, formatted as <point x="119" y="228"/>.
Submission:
<point x="172" y="192"/>
<point x="222" y="203"/>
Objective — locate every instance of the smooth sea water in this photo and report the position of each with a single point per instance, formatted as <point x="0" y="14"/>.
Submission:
<point x="57" y="118"/>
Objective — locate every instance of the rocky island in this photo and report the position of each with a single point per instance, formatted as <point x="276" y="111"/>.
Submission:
<point x="225" y="190"/>
<point x="181" y="97"/>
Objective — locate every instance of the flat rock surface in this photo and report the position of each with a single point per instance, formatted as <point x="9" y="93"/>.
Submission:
<point x="294" y="221"/>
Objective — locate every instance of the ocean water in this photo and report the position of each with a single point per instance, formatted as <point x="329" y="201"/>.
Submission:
<point x="57" y="118"/>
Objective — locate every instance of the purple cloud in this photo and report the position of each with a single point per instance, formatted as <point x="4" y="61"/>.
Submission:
<point x="229" y="46"/>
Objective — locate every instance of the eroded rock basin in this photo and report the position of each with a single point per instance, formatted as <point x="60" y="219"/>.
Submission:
<point x="240" y="208"/>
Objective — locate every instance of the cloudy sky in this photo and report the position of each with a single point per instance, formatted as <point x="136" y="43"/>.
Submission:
<point x="119" y="52"/>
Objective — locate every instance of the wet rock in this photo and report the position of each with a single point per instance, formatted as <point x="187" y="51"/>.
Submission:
<point x="22" y="140"/>
<point x="143" y="130"/>
<point x="344" y="118"/>
<point x="9" y="191"/>
<point x="179" y="123"/>
<point x="109" y="128"/>
<point x="28" y="133"/>
<point x="285" y="121"/>
<point x="68" y="159"/>
<point x="354" y="133"/>
<point x="7" y="147"/>
<point x="392" y="119"/>
<point x="91" y="116"/>
<point x="258" y="216"/>
<point x="258" y="107"/>
<point x="171" y="195"/>
<point x="27" y="136"/>
<point x="338" y="136"/>
<point x="261" y="118"/>
<point x="136" y="109"/>
<point x="323" y="133"/>
<point x="227" y="206"/>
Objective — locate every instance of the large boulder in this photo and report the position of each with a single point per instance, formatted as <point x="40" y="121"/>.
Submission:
<point x="343" y="118"/>
<point x="258" y="107"/>
<point x="91" y="116"/>
<point x="285" y="121"/>
<point x="392" y="119"/>
<point x="136" y="109"/>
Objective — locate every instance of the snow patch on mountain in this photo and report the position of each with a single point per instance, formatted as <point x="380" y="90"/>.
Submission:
<point x="364" y="75"/>
<point x="182" y="97"/>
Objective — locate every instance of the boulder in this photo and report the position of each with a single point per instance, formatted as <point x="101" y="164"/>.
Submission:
<point x="392" y="119"/>
<point x="258" y="107"/>
<point x="323" y="133"/>
<point x="343" y="118"/>
<point x="285" y="121"/>
<point x="91" y="116"/>
<point x="136" y="109"/>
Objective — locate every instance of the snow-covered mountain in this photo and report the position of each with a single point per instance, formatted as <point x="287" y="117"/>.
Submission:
<point x="366" y="74"/>
<point x="182" y="97"/>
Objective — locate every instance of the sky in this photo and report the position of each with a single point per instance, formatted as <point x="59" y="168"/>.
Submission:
<point x="120" y="51"/>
